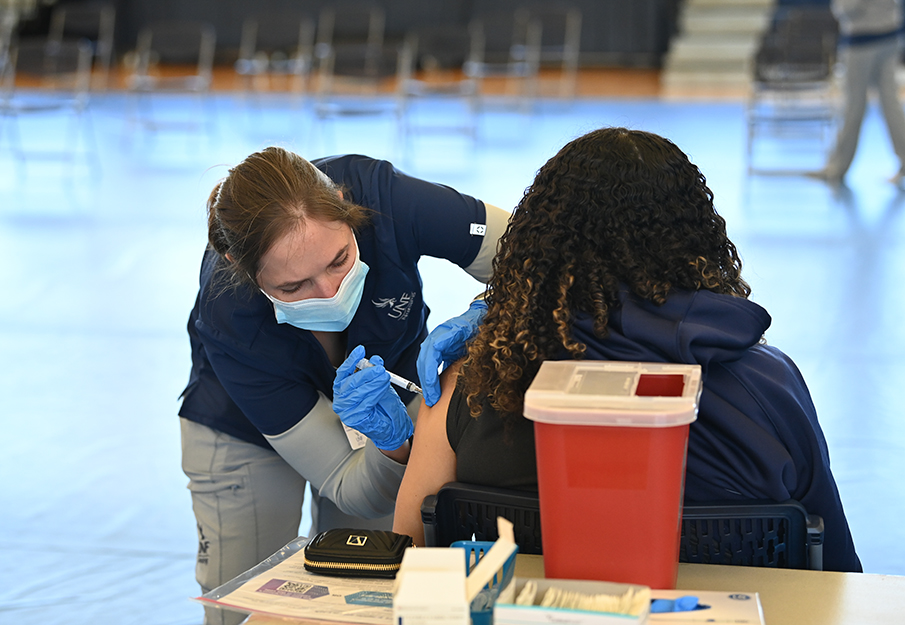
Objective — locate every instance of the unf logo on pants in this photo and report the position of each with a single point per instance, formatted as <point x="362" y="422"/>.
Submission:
<point x="356" y="541"/>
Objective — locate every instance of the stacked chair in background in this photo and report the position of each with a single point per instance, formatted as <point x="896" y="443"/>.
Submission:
<point x="560" y="43"/>
<point x="505" y="59"/>
<point x="353" y="64"/>
<point x="47" y="79"/>
<point x="93" y="21"/>
<point x="276" y="52"/>
<point x="794" y="96"/>
<point x="173" y="57"/>
<point x="431" y="72"/>
<point x="495" y="61"/>
<point x="340" y="62"/>
<point x="352" y="59"/>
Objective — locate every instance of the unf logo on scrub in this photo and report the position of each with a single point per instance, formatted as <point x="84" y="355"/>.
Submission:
<point x="398" y="308"/>
<point x="356" y="541"/>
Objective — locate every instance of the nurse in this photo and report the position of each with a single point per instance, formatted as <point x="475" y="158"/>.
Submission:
<point x="311" y="266"/>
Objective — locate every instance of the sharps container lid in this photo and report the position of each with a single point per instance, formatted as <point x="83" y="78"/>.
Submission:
<point x="614" y="393"/>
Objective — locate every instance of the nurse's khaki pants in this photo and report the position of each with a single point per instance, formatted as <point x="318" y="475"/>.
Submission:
<point x="248" y="504"/>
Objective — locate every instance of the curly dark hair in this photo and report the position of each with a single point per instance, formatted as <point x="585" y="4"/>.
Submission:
<point x="615" y="208"/>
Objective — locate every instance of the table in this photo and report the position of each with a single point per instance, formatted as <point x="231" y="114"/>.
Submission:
<point x="792" y="597"/>
<point x="789" y="597"/>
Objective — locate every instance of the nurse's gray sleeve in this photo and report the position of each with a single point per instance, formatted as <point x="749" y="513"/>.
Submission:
<point x="361" y="482"/>
<point x="481" y="268"/>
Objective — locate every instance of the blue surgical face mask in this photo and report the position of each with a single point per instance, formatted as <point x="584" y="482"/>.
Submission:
<point x="326" y="314"/>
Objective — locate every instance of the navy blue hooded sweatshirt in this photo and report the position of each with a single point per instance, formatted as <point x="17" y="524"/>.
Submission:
<point x="756" y="435"/>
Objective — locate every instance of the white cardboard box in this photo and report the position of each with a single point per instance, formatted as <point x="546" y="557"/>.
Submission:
<point x="431" y="597"/>
<point x="430" y="588"/>
<point x="505" y="612"/>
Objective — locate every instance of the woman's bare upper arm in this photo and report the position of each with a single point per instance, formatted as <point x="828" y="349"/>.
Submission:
<point x="432" y="463"/>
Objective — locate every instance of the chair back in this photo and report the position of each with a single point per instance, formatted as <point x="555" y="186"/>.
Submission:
<point x="443" y="47"/>
<point x="186" y="47"/>
<point x="58" y="69"/>
<point x="94" y="21"/>
<point x="350" y="39"/>
<point x="51" y="80"/>
<point x="7" y="28"/>
<point x="763" y="534"/>
<point x="279" y="42"/>
<point x="8" y="22"/>
<point x="431" y="67"/>
<point x="508" y="39"/>
<point x="436" y="54"/>
<point x="350" y="56"/>
<point x="459" y="511"/>
<point x="342" y="23"/>
<point x="560" y="31"/>
<point x="799" y="48"/>
<point x="179" y="43"/>
<point x="506" y="50"/>
<point x="794" y="96"/>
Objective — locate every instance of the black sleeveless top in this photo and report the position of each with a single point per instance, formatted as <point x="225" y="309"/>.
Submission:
<point x="487" y="455"/>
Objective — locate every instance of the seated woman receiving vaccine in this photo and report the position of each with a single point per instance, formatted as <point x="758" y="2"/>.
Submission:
<point x="616" y="252"/>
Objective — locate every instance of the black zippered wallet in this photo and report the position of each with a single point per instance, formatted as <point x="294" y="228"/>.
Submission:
<point x="356" y="553"/>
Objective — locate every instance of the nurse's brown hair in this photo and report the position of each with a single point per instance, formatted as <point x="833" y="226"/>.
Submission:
<point x="269" y="194"/>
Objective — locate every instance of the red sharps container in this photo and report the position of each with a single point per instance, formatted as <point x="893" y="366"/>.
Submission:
<point x="611" y="441"/>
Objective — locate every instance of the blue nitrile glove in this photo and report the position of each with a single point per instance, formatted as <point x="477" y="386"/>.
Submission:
<point x="682" y="604"/>
<point x="365" y="401"/>
<point x="445" y="345"/>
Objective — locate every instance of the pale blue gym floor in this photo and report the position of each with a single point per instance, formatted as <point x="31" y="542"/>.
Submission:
<point x="100" y="269"/>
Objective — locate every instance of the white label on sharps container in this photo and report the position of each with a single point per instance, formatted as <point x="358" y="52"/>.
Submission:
<point x="478" y="229"/>
<point x="356" y="439"/>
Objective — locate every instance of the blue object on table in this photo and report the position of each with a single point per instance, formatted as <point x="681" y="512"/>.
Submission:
<point x="682" y="604"/>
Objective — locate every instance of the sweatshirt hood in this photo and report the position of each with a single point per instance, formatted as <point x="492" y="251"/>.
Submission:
<point x="692" y="327"/>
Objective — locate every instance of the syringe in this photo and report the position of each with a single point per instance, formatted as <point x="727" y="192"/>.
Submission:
<point x="394" y="379"/>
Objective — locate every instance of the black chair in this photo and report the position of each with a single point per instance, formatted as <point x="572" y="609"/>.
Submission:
<point x="761" y="534"/>
<point x="38" y="77"/>
<point x="793" y="91"/>
<point x="353" y="64"/>
<point x="764" y="534"/>
<point x="174" y="58"/>
<point x="186" y="48"/>
<point x="460" y="510"/>
<point x="506" y="51"/>
<point x="93" y="20"/>
<point x="349" y="50"/>
<point x="560" y="42"/>
<point x="430" y="72"/>
<point x="275" y="49"/>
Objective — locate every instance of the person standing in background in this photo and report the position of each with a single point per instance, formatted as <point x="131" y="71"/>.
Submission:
<point x="869" y="49"/>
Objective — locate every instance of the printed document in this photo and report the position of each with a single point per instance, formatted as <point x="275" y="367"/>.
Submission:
<point x="280" y="586"/>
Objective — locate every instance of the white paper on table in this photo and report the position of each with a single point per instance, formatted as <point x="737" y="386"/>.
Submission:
<point x="286" y="589"/>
